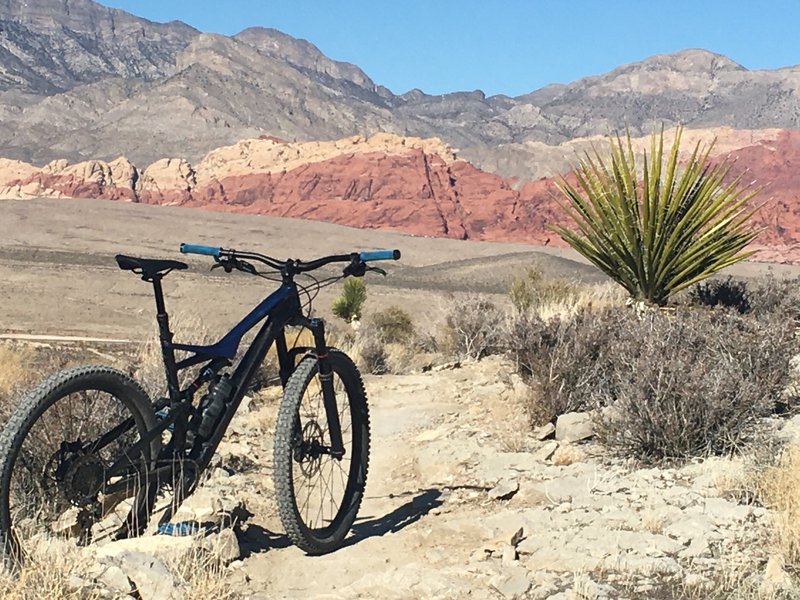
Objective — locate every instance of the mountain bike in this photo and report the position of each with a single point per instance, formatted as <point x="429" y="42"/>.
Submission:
<point x="88" y="447"/>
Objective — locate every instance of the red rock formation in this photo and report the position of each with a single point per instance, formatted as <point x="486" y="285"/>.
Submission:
<point x="416" y="186"/>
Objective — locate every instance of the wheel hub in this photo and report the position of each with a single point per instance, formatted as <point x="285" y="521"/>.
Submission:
<point x="308" y="453"/>
<point x="80" y="476"/>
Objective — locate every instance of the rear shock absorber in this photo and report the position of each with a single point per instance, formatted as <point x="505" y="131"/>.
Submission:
<point x="214" y="405"/>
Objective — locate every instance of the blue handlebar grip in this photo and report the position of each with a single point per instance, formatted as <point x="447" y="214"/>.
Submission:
<point x="379" y="255"/>
<point x="197" y="249"/>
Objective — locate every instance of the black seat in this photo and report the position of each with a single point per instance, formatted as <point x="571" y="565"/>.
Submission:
<point x="149" y="268"/>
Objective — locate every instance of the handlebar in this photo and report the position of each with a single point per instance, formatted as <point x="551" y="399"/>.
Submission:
<point x="199" y="249"/>
<point x="379" y="255"/>
<point x="291" y="266"/>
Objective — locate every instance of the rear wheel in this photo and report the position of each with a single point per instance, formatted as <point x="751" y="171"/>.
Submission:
<point x="318" y="496"/>
<point x="55" y="451"/>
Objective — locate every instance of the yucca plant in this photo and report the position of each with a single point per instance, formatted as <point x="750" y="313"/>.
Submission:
<point x="660" y="229"/>
<point x="348" y="306"/>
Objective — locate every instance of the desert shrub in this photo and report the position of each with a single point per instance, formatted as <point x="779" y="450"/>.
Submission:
<point x="49" y="566"/>
<point x="775" y="296"/>
<point x="563" y="359"/>
<point x="369" y="351"/>
<point x="394" y="325"/>
<point x="666" y="384"/>
<point x="681" y="224"/>
<point x="18" y="370"/>
<point x="534" y="289"/>
<point x="727" y="293"/>
<point x="473" y="327"/>
<point x="768" y="295"/>
<point x="348" y="306"/>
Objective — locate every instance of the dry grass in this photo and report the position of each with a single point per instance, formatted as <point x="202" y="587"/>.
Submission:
<point x="201" y="573"/>
<point x="566" y="454"/>
<point x="57" y="569"/>
<point x="652" y="522"/>
<point x="14" y="367"/>
<point x="595" y="296"/>
<point x="149" y="366"/>
<point x="46" y="574"/>
<point x="779" y="488"/>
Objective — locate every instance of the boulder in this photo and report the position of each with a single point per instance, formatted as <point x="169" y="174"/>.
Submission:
<point x="574" y="427"/>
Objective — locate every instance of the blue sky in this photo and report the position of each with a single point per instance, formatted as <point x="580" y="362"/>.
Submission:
<point x="510" y="47"/>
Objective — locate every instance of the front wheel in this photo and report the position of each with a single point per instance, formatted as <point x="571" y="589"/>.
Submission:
<point x="56" y="456"/>
<point x="318" y="496"/>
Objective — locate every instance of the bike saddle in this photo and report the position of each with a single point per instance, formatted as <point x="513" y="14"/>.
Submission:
<point x="149" y="268"/>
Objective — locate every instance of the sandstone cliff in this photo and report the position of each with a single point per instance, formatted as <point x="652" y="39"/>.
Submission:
<point x="415" y="185"/>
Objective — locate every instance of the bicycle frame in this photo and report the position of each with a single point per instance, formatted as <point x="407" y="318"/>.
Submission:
<point x="277" y="311"/>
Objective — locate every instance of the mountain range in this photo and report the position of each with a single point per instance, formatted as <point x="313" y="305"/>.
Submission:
<point x="79" y="80"/>
<point x="96" y="102"/>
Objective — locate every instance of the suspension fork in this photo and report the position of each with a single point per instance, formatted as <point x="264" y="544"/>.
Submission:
<point x="317" y="327"/>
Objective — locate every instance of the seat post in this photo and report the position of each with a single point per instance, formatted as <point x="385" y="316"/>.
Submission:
<point x="165" y="337"/>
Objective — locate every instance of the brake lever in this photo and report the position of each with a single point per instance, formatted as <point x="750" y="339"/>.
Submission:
<point x="232" y="263"/>
<point x="225" y="265"/>
<point x="377" y="270"/>
<point x="246" y="267"/>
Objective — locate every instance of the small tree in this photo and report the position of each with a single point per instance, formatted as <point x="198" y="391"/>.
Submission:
<point x="348" y="306"/>
<point x="657" y="236"/>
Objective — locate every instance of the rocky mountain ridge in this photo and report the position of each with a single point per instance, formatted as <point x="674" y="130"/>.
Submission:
<point x="79" y="80"/>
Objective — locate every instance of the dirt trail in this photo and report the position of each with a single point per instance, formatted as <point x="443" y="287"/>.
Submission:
<point x="455" y="474"/>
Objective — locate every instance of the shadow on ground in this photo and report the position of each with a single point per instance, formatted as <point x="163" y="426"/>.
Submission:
<point x="401" y="517"/>
<point x="255" y="539"/>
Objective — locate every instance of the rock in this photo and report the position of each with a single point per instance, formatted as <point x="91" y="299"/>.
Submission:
<point x="158" y="546"/>
<point x="545" y="431"/>
<point x="67" y="523"/>
<point x="775" y="577"/>
<point x="114" y="579"/>
<point x="224" y="545"/>
<point x="546" y="451"/>
<point x="573" y="427"/>
<point x="504" y="489"/>
<point x="513" y="585"/>
<point x="587" y="589"/>
<point x="509" y="555"/>
<point x="150" y="577"/>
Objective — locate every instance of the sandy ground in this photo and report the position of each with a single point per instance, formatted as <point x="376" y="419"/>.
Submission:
<point x="60" y="278"/>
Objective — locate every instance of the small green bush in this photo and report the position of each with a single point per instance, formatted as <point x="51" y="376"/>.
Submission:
<point x="394" y="324"/>
<point x="768" y="295"/>
<point x="668" y="385"/>
<point x="727" y="293"/>
<point x="348" y="306"/>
